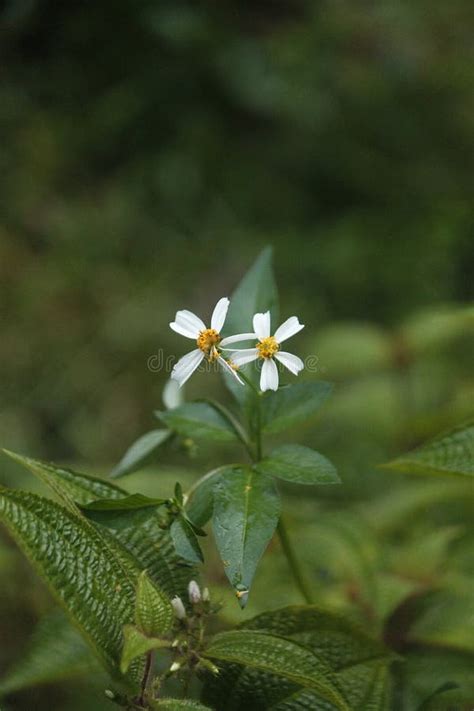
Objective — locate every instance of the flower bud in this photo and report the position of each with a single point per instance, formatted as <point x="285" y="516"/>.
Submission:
<point x="175" y="667"/>
<point x="206" y="595"/>
<point x="178" y="608"/>
<point x="194" y="592"/>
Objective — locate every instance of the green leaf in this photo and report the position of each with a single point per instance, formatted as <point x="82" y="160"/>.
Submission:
<point x="153" y="611"/>
<point x="443" y="619"/>
<point x="256" y="292"/>
<point x="293" y="404"/>
<point x="136" y="644"/>
<point x="185" y="540"/>
<point x="127" y="503"/>
<point x="280" y="656"/>
<point x="200" y="421"/>
<point x="357" y="662"/>
<point x="246" y="512"/>
<point x="68" y="484"/>
<point x="451" y="453"/>
<point x="56" y="651"/>
<point x="178" y="705"/>
<point x="298" y="464"/>
<point x="90" y="582"/>
<point x="201" y="501"/>
<point x="140" y="532"/>
<point x="136" y="455"/>
<point x="426" y="704"/>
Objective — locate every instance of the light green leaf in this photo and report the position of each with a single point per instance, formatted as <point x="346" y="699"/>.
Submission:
<point x="55" y="651"/>
<point x="136" y="644"/>
<point x="153" y="611"/>
<point x="293" y="404"/>
<point x="445" y="619"/>
<point x="127" y="503"/>
<point x="246" y="512"/>
<point x="298" y="464"/>
<point x="200" y="421"/>
<point x="452" y="453"/>
<point x="68" y="484"/>
<point x="137" y="455"/>
<point x="279" y="656"/>
<point x="90" y="582"/>
<point x="178" y="705"/>
<point x="140" y="532"/>
<point x="185" y="540"/>
<point x="256" y="292"/>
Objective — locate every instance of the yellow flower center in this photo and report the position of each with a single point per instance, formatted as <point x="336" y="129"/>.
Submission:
<point x="207" y="342"/>
<point x="267" y="347"/>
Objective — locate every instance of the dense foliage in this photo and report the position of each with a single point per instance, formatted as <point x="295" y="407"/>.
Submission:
<point x="383" y="628"/>
<point x="150" y="149"/>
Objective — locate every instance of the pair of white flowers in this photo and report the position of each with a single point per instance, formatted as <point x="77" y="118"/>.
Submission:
<point x="210" y="345"/>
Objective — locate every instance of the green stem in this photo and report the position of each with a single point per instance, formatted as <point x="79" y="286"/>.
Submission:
<point x="300" y="580"/>
<point x="146" y="678"/>
<point x="258" y="429"/>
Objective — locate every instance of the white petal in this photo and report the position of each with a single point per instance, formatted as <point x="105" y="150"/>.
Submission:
<point x="246" y="355"/>
<point x="290" y="361"/>
<point x="189" y="320"/>
<point x="219" y="314"/>
<point x="172" y="396"/>
<point x="269" y="375"/>
<point x="238" y="337"/>
<point x="184" y="330"/>
<point x="186" y="366"/>
<point x="261" y="325"/>
<point x="288" y="329"/>
<point x="229" y="369"/>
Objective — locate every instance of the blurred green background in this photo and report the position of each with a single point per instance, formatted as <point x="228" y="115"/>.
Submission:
<point x="151" y="149"/>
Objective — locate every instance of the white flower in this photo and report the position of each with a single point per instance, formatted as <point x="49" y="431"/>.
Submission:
<point x="208" y="340"/>
<point x="194" y="593"/>
<point x="268" y="349"/>
<point x="178" y="608"/>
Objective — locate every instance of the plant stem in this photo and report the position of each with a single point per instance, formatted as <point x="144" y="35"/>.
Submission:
<point x="301" y="582"/>
<point x="146" y="677"/>
<point x="298" y="575"/>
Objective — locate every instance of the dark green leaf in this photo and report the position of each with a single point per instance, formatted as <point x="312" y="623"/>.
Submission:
<point x="140" y="531"/>
<point x="246" y="511"/>
<point x="185" y="540"/>
<point x="255" y="293"/>
<point x="358" y="663"/>
<point x="279" y="656"/>
<point x="153" y="611"/>
<point x="68" y="484"/>
<point x="56" y="651"/>
<point x="427" y="703"/>
<point x="293" y="404"/>
<point x="298" y="464"/>
<point x="201" y="501"/>
<point x="200" y="421"/>
<point x="91" y="583"/>
<point x="137" y="455"/>
<point x="127" y="503"/>
<point x="136" y="644"/>
<point x="451" y="453"/>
